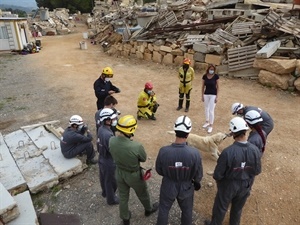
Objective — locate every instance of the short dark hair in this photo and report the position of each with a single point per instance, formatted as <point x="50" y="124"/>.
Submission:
<point x="110" y="100"/>
<point x="181" y="134"/>
<point x="239" y="133"/>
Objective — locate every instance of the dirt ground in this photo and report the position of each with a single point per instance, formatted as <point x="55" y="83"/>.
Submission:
<point x="58" y="82"/>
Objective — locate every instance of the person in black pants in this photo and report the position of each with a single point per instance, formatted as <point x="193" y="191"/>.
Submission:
<point x="103" y="87"/>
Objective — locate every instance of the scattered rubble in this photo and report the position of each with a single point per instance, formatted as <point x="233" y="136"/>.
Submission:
<point x="230" y="34"/>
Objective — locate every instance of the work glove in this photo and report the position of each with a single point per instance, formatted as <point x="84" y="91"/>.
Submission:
<point x="197" y="185"/>
<point x="118" y="90"/>
<point x="84" y="129"/>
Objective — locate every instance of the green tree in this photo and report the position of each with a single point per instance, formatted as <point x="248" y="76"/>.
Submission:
<point x="19" y="12"/>
<point x="84" y="6"/>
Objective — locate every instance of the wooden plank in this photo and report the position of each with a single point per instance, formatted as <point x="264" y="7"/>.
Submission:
<point x="239" y="67"/>
<point x="39" y="124"/>
<point x="252" y="53"/>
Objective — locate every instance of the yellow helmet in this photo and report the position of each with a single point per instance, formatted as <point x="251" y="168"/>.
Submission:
<point x="127" y="124"/>
<point x="108" y="72"/>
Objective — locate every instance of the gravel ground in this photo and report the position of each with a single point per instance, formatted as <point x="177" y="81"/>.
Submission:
<point x="57" y="83"/>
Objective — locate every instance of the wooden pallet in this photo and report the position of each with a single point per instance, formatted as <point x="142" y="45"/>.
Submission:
<point x="223" y="37"/>
<point x="241" y="57"/>
<point x="282" y="24"/>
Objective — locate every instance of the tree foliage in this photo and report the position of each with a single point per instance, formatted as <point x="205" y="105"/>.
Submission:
<point x="84" y="6"/>
<point x="19" y="12"/>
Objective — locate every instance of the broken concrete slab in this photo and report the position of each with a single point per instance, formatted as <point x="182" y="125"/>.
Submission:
<point x="27" y="212"/>
<point x="268" y="50"/>
<point x="36" y="170"/>
<point x="8" y="206"/>
<point x="63" y="167"/>
<point x="10" y="175"/>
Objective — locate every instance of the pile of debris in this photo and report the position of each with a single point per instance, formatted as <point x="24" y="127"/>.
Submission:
<point x="242" y="38"/>
<point x="55" y="22"/>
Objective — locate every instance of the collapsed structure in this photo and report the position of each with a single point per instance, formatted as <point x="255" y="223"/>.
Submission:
<point x="251" y="38"/>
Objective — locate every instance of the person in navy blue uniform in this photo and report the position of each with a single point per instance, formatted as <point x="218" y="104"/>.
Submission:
<point x="180" y="165"/>
<point x="103" y="87"/>
<point x="234" y="174"/>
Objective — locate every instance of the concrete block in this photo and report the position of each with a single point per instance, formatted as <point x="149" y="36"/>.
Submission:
<point x="178" y="60"/>
<point x="145" y="44"/>
<point x="213" y="59"/>
<point x="165" y="49"/>
<point x="189" y="56"/>
<point x="27" y="212"/>
<point x="10" y="175"/>
<point x="199" y="57"/>
<point x="120" y="47"/>
<point x="132" y="51"/>
<point x="156" y="48"/>
<point x="139" y="55"/>
<point x="141" y="48"/>
<point x="127" y="47"/>
<point x="157" y="57"/>
<point x="147" y="56"/>
<point x="162" y="53"/>
<point x="177" y="52"/>
<point x="125" y="53"/>
<point x="201" y="67"/>
<point x="8" y="206"/>
<point x="222" y="69"/>
<point x="183" y="48"/>
<point x="150" y="47"/>
<point x="168" y="59"/>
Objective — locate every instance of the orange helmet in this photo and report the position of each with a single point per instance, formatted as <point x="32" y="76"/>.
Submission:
<point x="149" y="86"/>
<point x="187" y="61"/>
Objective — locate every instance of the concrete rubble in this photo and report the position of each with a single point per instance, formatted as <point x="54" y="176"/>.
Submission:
<point x="31" y="158"/>
<point x="229" y="34"/>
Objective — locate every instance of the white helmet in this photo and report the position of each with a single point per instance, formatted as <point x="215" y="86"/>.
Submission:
<point x="253" y="117"/>
<point x="236" y="107"/>
<point x="237" y="124"/>
<point x="107" y="113"/>
<point x="183" y="123"/>
<point x="75" y="119"/>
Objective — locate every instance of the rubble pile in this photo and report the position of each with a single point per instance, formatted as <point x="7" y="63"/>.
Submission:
<point x="236" y="36"/>
<point x="55" y="22"/>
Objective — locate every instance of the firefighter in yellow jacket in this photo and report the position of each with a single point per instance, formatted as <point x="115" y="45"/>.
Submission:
<point x="146" y="103"/>
<point x="186" y="76"/>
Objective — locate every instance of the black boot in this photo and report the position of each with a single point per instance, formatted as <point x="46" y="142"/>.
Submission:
<point x="187" y="105"/>
<point x="153" y="210"/>
<point x="180" y="102"/>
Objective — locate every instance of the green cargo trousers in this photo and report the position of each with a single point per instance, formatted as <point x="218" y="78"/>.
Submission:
<point x="127" y="180"/>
